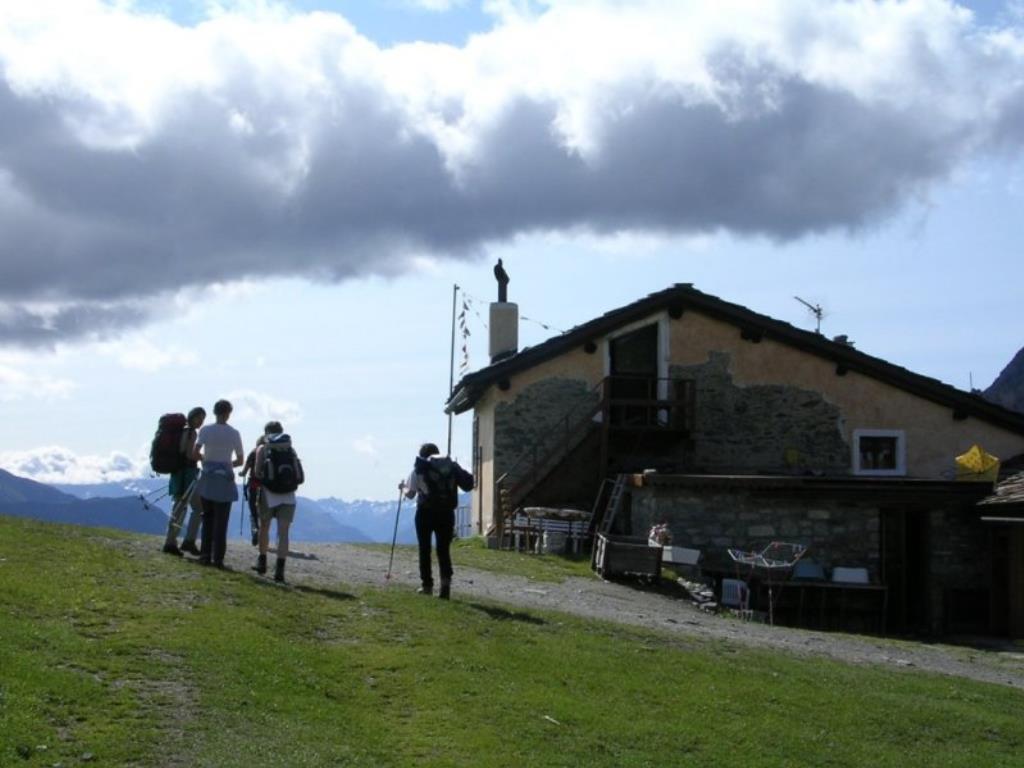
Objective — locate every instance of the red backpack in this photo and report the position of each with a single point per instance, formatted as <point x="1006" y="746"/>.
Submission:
<point x="165" y="454"/>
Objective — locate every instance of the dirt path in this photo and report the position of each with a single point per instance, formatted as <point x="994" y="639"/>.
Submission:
<point x="593" y="598"/>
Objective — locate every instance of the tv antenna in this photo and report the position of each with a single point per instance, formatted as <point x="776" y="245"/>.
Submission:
<point x="816" y="310"/>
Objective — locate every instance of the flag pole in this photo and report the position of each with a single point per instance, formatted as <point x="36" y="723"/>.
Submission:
<point x="451" y="368"/>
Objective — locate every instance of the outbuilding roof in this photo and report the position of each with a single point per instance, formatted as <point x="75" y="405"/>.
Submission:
<point x="1008" y="492"/>
<point x="752" y="326"/>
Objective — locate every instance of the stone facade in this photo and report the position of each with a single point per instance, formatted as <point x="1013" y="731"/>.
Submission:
<point x="714" y="520"/>
<point x="761" y="428"/>
<point x="534" y="417"/>
<point x="958" y="563"/>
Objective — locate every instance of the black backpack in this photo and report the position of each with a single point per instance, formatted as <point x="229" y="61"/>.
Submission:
<point x="442" y="483"/>
<point x="165" y="454"/>
<point x="281" y="471"/>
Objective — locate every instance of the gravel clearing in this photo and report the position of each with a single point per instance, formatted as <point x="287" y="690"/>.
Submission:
<point x="319" y="565"/>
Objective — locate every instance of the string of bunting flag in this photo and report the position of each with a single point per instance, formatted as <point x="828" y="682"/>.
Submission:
<point x="469" y="306"/>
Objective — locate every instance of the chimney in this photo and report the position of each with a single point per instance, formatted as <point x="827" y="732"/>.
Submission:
<point x="504" y="330"/>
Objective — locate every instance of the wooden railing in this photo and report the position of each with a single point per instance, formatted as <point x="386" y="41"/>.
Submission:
<point x="625" y="403"/>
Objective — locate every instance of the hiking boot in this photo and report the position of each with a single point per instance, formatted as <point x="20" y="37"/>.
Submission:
<point x="261" y="565"/>
<point x="255" y="538"/>
<point x="279" y="570"/>
<point x="190" y="547"/>
<point x="172" y="549"/>
<point x="446" y="589"/>
<point x="426" y="589"/>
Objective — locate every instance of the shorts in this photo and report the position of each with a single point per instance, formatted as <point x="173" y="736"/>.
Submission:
<point x="181" y="481"/>
<point x="285" y="513"/>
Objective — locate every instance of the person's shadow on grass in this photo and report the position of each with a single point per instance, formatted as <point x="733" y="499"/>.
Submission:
<point x="503" y="614"/>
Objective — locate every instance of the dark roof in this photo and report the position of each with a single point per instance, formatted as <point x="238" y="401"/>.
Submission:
<point x="753" y="326"/>
<point x="1008" y="491"/>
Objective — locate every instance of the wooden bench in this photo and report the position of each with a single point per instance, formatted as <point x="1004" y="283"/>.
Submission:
<point x="572" y="523"/>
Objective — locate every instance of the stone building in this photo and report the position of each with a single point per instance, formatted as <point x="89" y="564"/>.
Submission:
<point x="751" y="430"/>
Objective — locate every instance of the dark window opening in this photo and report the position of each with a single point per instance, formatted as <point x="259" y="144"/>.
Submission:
<point x="877" y="452"/>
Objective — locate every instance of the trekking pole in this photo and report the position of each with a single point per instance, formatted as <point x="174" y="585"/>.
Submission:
<point x="147" y="502"/>
<point x="184" y="502"/>
<point x="245" y="502"/>
<point x="394" y="536"/>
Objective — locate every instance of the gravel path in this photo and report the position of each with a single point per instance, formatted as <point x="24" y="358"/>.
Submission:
<point x="592" y="598"/>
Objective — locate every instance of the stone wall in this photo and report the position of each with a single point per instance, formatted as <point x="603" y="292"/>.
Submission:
<point x="713" y="520"/>
<point x="837" y="533"/>
<point x="536" y="417"/>
<point x="762" y="428"/>
<point x="958" y="562"/>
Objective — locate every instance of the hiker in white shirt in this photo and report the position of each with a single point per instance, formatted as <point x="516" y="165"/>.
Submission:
<point x="219" y="447"/>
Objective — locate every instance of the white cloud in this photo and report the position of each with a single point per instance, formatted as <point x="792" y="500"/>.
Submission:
<point x="138" y="156"/>
<point x="258" y="406"/>
<point x="16" y="384"/>
<point x="54" y="464"/>
<point x="142" y="354"/>
<point x="439" y="6"/>
<point x="366" y="445"/>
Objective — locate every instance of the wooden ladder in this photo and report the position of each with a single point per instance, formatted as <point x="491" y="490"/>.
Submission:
<point x="603" y="517"/>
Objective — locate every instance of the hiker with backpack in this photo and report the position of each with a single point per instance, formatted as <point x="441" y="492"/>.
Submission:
<point x="279" y="472"/>
<point x="435" y="481"/>
<point x="219" y="447"/>
<point x="251" y="491"/>
<point x="181" y="485"/>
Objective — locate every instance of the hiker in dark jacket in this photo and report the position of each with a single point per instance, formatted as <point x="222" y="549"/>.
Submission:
<point x="251" y="491"/>
<point x="181" y="487"/>
<point x="435" y="482"/>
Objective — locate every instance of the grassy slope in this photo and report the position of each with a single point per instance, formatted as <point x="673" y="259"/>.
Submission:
<point x="109" y="648"/>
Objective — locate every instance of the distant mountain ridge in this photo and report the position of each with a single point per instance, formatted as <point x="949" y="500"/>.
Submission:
<point x="140" y="505"/>
<point x="316" y="520"/>
<point x="1008" y="388"/>
<point x="21" y="497"/>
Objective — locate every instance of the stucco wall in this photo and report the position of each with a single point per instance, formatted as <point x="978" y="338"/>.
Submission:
<point x="933" y="437"/>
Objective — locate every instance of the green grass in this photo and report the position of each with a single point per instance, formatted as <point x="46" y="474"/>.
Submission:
<point x="473" y="553"/>
<point x="108" y="648"/>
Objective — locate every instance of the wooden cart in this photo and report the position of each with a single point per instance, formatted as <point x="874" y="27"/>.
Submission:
<point x="626" y="556"/>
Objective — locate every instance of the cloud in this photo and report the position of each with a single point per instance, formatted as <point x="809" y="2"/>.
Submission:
<point x="141" y="354"/>
<point x="139" y="157"/>
<point x="35" y="325"/>
<point x="54" y="464"/>
<point x="366" y="445"/>
<point x="438" y="6"/>
<point x="258" y="406"/>
<point x="16" y="384"/>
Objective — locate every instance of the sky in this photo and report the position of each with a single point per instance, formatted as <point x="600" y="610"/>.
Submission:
<point x="271" y="202"/>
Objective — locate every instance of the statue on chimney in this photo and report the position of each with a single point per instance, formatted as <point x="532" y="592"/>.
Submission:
<point x="502" y="277"/>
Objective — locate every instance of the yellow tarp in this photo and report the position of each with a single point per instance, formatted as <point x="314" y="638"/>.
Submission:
<point x="977" y="465"/>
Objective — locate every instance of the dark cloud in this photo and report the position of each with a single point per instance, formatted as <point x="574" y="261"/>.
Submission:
<point x="246" y="182"/>
<point x="23" y="326"/>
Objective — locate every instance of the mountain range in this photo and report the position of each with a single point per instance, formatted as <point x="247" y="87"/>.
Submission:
<point x="1008" y="388"/>
<point x="21" y="497"/>
<point x="140" y="505"/>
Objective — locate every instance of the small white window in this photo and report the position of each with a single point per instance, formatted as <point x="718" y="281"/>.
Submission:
<point x="880" y="452"/>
